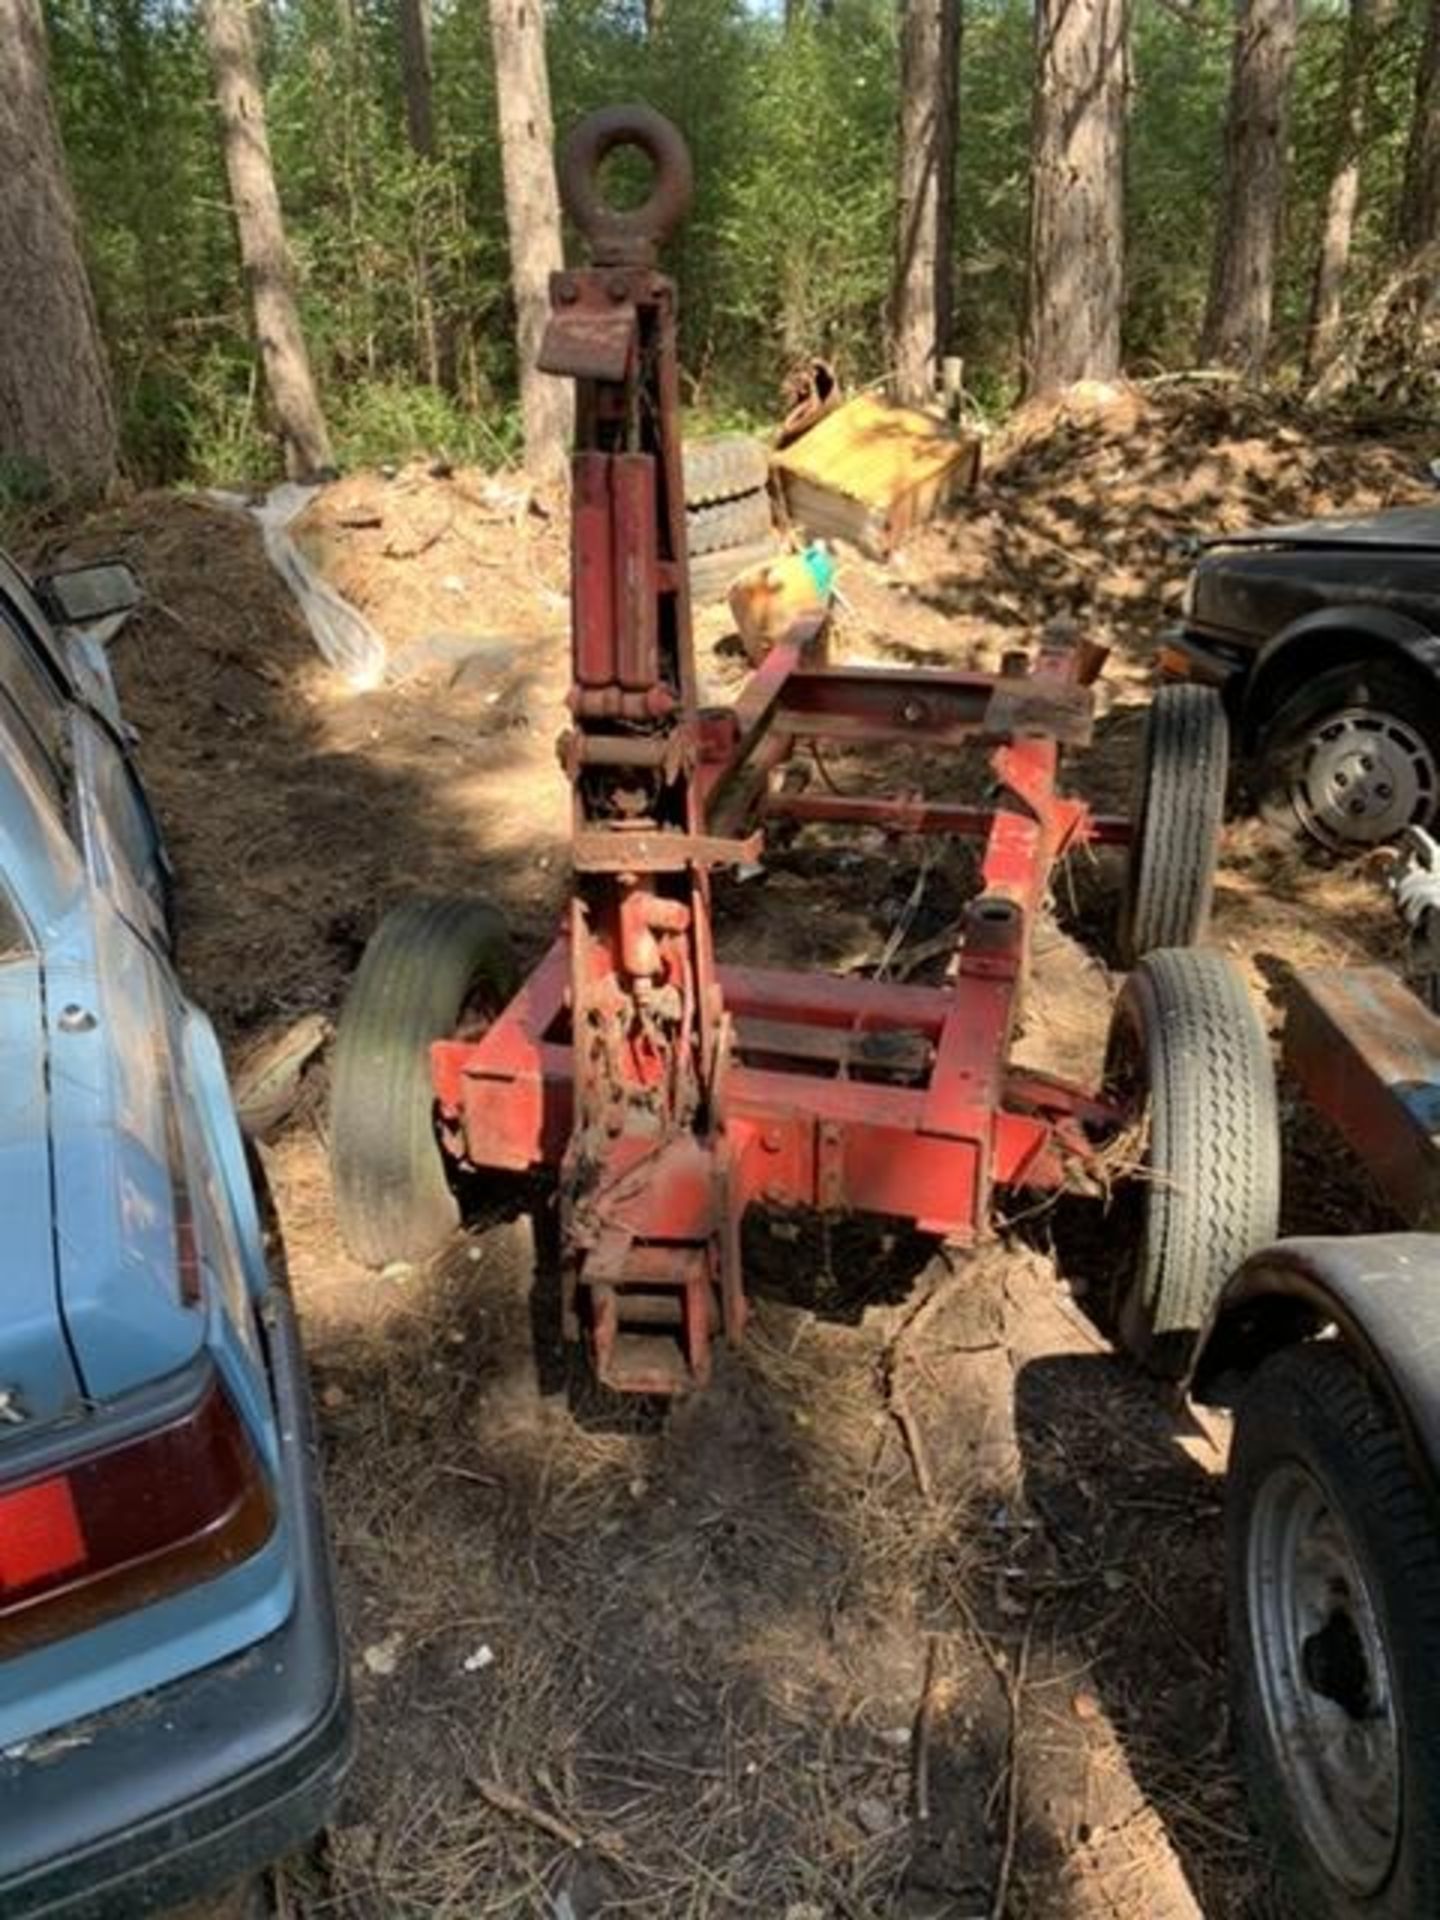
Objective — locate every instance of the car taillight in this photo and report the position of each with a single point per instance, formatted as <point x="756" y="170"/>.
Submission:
<point x="120" y="1528"/>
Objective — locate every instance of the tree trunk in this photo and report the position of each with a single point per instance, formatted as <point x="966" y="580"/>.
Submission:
<point x="922" y="300"/>
<point x="1392" y="348"/>
<point x="1242" y="278"/>
<point x="532" y="215"/>
<point x="264" y="257"/>
<point x="56" y="411"/>
<point x="1369" y="20"/>
<point x="418" y="76"/>
<point x="1420" y="194"/>
<point x="1077" y="194"/>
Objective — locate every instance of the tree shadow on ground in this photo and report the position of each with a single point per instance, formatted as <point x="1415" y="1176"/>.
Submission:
<point x="1134" y="1613"/>
<point x="708" y="1650"/>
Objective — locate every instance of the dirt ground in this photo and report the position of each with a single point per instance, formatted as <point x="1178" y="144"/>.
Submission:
<point x="735" y="1659"/>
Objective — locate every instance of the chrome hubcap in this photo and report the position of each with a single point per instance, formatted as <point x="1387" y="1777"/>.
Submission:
<point x="1324" y="1680"/>
<point x="1362" y="776"/>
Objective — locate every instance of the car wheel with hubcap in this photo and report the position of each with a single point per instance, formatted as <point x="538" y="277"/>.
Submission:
<point x="1352" y="758"/>
<point x="1334" y="1600"/>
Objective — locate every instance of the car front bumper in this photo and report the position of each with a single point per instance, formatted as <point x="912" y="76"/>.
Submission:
<point x="209" y="1778"/>
<point x="1184" y="654"/>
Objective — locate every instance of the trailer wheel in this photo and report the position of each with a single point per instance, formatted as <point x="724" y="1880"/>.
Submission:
<point x="723" y="468"/>
<point x="1187" y="1050"/>
<point x="1179" y="807"/>
<point x="430" y="966"/>
<point x="1333" y="1575"/>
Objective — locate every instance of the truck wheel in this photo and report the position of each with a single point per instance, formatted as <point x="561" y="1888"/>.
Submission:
<point x="1333" y="1575"/>
<point x="723" y="468"/>
<point x="1179" y="807"/>
<point x="1187" y="1050"/>
<point x="431" y="966"/>
<point x="1352" y="757"/>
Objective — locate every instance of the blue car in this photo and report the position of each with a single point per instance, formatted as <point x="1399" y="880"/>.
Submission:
<point x="174" y="1708"/>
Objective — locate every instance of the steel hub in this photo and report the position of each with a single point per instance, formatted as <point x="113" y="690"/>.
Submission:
<point x="1363" y="775"/>
<point x="1324" y="1680"/>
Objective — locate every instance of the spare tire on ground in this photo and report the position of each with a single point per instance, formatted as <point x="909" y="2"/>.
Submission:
<point x="724" y="468"/>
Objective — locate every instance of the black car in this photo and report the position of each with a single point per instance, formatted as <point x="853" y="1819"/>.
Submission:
<point x="1324" y="638"/>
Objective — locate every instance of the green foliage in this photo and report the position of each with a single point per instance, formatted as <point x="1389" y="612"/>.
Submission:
<point x="380" y="420"/>
<point x="993" y="193"/>
<point x="402" y="261"/>
<point x="1172" y="176"/>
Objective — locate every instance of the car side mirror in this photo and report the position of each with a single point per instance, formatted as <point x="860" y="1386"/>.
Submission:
<point x="78" y="596"/>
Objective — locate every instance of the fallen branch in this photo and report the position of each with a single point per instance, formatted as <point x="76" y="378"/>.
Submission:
<point x="925" y="1726"/>
<point x="518" y="1808"/>
<point x="914" y="1441"/>
<point x="1014" y="1678"/>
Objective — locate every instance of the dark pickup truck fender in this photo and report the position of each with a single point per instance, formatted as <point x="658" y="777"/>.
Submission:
<point x="1320" y="640"/>
<point x="1379" y="1292"/>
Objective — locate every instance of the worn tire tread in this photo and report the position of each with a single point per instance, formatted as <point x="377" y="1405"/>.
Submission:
<point x="1212" y="1192"/>
<point x="723" y="468"/>
<point x="729" y="523"/>
<point x="393" y="1197"/>
<point x="1180" y="807"/>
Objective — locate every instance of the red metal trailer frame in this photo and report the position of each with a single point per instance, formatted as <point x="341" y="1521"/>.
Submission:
<point x="671" y="1092"/>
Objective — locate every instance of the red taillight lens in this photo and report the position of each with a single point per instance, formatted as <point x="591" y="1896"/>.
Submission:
<point x="120" y="1528"/>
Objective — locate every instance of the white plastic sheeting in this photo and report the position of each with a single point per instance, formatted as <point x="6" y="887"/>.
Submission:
<point x="345" y="638"/>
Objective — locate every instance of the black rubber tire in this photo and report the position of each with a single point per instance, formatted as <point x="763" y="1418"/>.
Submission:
<point x="1178" y="813"/>
<point x="712" y="573"/>
<point x="730" y="523"/>
<point x="427" y="964"/>
<point x="724" y="468"/>
<point x="1280" y="737"/>
<point x="1313" y="1406"/>
<point x="1187" y="1045"/>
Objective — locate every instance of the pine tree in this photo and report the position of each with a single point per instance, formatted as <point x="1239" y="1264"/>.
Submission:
<point x="56" y="412"/>
<point x="1077" y="196"/>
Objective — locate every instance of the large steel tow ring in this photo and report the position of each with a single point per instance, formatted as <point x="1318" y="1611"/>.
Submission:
<point x="626" y="236"/>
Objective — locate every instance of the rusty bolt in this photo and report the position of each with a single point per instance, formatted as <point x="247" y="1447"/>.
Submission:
<point x="566" y="291"/>
<point x="618" y="287"/>
<point x="770" y="1140"/>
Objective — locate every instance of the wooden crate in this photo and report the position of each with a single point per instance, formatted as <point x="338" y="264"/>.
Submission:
<point x="871" y="471"/>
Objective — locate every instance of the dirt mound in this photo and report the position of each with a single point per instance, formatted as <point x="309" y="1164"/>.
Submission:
<point x="1086" y="505"/>
<point x="439" y="554"/>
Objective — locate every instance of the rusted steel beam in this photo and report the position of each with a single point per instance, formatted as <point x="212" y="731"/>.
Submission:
<point x="913" y="702"/>
<point x="1367" y="1055"/>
